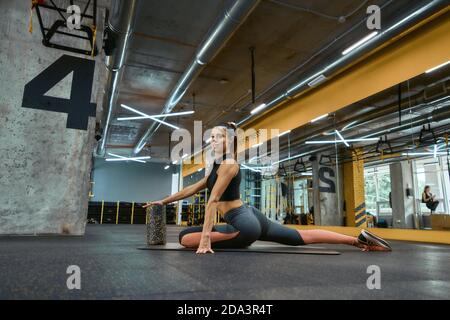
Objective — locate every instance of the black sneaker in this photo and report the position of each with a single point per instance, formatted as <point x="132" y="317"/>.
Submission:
<point x="369" y="239"/>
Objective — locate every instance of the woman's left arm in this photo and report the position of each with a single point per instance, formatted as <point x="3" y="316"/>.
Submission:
<point x="225" y="174"/>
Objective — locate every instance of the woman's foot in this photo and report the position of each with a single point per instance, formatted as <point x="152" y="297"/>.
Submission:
<point x="367" y="241"/>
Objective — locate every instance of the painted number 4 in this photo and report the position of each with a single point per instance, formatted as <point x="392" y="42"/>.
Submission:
<point x="79" y="107"/>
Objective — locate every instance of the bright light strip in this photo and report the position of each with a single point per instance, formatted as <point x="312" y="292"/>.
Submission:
<point x="258" y="108"/>
<point x="319" y="118"/>
<point x="166" y="167"/>
<point x="349" y="125"/>
<point x="338" y="141"/>
<point x="126" y="159"/>
<point x="342" y="138"/>
<point x="184" y="156"/>
<point x="156" y="116"/>
<point x="175" y="162"/>
<point x="359" y="43"/>
<point x="121" y="157"/>
<point x="435" y="151"/>
<point x="423" y="154"/>
<point x="150" y="117"/>
<point x="283" y="133"/>
<point x="166" y="123"/>
<point x="249" y="168"/>
<point x="257" y="145"/>
<point x="209" y="140"/>
<point x="438" y="67"/>
<point x="199" y="169"/>
<point x="291" y="158"/>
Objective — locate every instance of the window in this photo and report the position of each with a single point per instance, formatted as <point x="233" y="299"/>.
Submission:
<point x="377" y="189"/>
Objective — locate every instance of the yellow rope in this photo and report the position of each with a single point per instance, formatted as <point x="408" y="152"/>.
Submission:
<point x="30" y="23"/>
<point x="94" y="37"/>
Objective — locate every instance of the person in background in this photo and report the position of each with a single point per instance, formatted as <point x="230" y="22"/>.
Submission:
<point x="429" y="199"/>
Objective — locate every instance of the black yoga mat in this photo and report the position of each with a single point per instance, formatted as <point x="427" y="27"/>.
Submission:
<point x="259" y="248"/>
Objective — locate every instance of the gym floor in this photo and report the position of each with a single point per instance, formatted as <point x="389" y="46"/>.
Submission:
<point x="112" y="268"/>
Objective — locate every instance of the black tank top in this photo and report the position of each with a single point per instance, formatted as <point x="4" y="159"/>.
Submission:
<point x="232" y="191"/>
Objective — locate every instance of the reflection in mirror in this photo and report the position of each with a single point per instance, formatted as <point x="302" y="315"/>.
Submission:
<point x="365" y="165"/>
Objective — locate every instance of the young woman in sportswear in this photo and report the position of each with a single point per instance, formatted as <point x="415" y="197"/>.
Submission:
<point x="246" y="224"/>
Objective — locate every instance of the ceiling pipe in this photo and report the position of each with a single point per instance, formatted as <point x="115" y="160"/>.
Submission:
<point x="436" y="115"/>
<point x="329" y="70"/>
<point x="216" y="38"/>
<point x="410" y="19"/>
<point x="118" y="32"/>
<point x="379" y="115"/>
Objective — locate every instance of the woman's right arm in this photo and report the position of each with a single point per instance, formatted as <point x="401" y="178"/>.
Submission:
<point x="185" y="193"/>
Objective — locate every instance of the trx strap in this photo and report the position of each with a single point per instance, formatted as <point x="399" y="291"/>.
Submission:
<point x="252" y="55"/>
<point x="94" y="37"/>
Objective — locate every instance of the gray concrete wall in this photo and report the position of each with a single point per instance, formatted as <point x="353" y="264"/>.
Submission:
<point x="402" y="205"/>
<point x="44" y="167"/>
<point x="328" y="192"/>
<point x="130" y="181"/>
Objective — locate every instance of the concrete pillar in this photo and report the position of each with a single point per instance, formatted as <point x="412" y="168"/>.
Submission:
<point x="402" y="195"/>
<point x="45" y="151"/>
<point x="327" y="191"/>
<point x="355" y="207"/>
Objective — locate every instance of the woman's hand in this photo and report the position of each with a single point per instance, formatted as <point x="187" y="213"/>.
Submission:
<point x="205" y="245"/>
<point x="153" y="203"/>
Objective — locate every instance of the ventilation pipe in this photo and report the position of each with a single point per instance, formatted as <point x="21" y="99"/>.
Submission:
<point x="118" y="32"/>
<point x="218" y="36"/>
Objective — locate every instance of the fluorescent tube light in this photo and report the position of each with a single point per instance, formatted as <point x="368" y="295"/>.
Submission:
<point x="258" y="108"/>
<point x="359" y="43"/>
<point x="319" y="118"/>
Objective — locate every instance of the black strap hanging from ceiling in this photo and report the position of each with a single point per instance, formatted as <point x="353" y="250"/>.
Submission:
<point x="383" y="145"/>
<point x="400" y="104"/>
<point x="193" y="101"/>
<point x="252" y="55"/>
<point x="300" y="166"/>
<point x="325" y="160"/>
<point x="282" y="170"/>
<point x="427" y="132"/>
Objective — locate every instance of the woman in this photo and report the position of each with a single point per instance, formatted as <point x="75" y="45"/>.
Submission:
<point x="428" y="199"/>
<point x="246" y="224"/>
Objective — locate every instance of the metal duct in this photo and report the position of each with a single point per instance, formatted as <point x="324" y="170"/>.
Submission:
<point x="117" y="35"/>
<point x="217" y="37"/>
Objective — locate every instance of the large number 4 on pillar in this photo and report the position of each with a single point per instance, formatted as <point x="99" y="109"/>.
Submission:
<point x="79" y="107"/>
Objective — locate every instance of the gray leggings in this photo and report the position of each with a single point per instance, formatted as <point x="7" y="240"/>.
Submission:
<point x="252" y="225"/>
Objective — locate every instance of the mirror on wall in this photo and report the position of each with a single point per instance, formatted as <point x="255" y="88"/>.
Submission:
<point x="366" y="165"/>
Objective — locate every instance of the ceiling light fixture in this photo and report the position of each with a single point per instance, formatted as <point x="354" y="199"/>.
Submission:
<point x="128" y="159"/>
<point x="148" y="116"/>
<point x="359" y="43"/>
<point x="423" y="154"/>
<point x="315" y="82"/>
<point x="342" y="138"/>
<point x="157" y="116"/>
<point x="319" y="118"/>
<point x="258" y="108"/>
<point x="339" y="141"/>
<point x="284" y="133"/>
<point x="438" y="67"/>
<point x="124" y="158"/>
